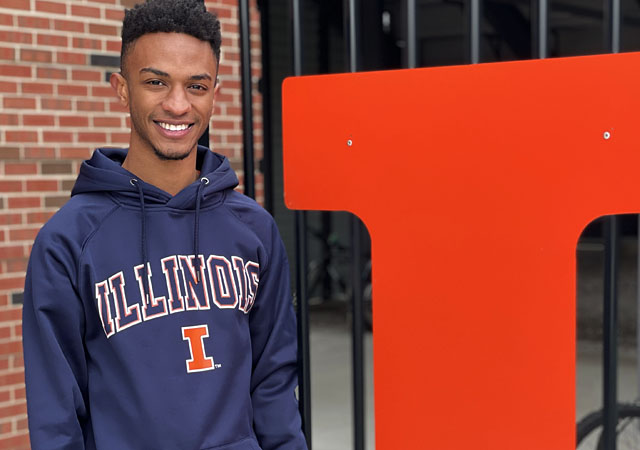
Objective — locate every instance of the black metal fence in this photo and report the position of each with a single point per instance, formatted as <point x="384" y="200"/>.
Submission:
<point x="490" y="24"/>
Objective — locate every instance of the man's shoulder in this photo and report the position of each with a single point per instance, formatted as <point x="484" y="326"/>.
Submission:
<point x="253" y="217"/>
<point x="247" y="209"/>
<point x="76" y="219"/>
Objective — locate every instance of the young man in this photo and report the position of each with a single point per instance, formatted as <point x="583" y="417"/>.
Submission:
<point x="157" y="311"/>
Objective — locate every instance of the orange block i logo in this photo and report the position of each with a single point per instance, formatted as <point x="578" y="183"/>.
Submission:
<point x="199" y="361"/>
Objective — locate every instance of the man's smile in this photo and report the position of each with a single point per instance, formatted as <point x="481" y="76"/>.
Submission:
<point x="174" y="129"/>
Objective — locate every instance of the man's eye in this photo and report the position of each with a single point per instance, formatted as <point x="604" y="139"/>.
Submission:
<point x="198" y="87"/>
<point x="155" y="82"/>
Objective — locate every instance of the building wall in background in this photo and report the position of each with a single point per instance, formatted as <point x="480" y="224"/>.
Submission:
<point x="56" y="106"/>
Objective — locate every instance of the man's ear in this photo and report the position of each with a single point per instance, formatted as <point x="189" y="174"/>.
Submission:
<point x="119" y="84"/>
<point x="216" y="89"/>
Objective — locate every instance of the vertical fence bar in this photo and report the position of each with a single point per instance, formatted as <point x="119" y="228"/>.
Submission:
<point x="638" y="307"/>
<point x="474" y="31"/>
<point x="357" y="315"/>
<point x="266" y="166"/>
<point x="610" y="320"/>
<point x="302" y="310"/>
<point x="358" y="339"/>
<point x="543" y="28"/>
<point x="353" y="11"/>
<point x="204" y="139"/>
<point x="247" y="97"/>
<point x="610" y="357"/>
<point x="412" y="39"/>
<point x="297" y="37"/>
<point x="302" y="306"/>
<point x="614" y="16"/>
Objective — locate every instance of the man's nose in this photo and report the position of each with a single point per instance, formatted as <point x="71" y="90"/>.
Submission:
<point x="177" y="101"/>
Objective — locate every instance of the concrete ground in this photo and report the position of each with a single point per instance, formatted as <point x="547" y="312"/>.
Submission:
<point x="589" y="376"/>
<point x="331" y="379"/>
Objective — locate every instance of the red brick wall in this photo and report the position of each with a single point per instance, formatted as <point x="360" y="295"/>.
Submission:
<point x="55" y="108"/>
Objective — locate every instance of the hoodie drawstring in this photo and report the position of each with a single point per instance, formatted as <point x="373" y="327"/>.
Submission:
<point x="134" y="182"/>
<point x="196" y="233"/>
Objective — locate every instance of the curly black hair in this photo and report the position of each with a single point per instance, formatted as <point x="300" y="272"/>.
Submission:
<point x="170" y="16"/>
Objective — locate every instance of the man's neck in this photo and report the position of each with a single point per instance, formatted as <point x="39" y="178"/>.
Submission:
<point x="169" y="175"/>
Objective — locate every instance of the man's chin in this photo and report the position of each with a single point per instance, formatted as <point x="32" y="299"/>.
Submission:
<point x="172" y="154"/>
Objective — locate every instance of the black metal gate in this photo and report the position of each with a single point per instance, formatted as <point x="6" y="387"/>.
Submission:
<point x="409" y="34"/>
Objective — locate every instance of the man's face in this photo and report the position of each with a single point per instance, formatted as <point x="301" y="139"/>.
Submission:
<point x="169" y="88"/>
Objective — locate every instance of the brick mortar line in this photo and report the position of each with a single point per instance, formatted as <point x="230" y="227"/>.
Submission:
<point x="22" y="194"/>
<point x="18" y="433"/>
<point x="13" y="419"/>
<point x="23" y="225"/>
<point x="50" y="80"/>
<point x="76" y="128"/>
<point x="22" y="242"/>
<point x="58" y="97"/>
<point x="103" y="83"/>
<point x="69" y="33"/>
<point x="65" y="129"/>
<point x="10" y="308"/>
<point x="66" y="112"/>
<point x="9" y="372"/>
<point x="89" y="2"/>
<point x="57" y="33"/>
<point x="33" y="13"/>
<point x="19" y="226"/>
<point x="25" y="430"/>
<point x="22" y="209"/>
<point x="52" y="49"/>
<point x="90" y="129"/>
<point x="41" y="194"/>
<point x="56" y="114"/>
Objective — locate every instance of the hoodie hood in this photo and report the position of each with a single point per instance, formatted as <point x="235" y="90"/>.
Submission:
<point x="104" y="173"/>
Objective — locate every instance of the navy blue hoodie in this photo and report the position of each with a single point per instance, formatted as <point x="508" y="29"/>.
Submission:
<point x="196" y="349"/>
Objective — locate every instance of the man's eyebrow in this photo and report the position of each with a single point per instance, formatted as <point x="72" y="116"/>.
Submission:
<point x="203" y="76"/>
<point x="160" y="73"/>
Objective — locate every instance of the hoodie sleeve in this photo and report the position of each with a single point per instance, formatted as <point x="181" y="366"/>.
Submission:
<point x="55" y="366"/>
<point x="274" y="343"/>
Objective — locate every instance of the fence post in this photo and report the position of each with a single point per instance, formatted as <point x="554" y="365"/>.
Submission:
<point x="302" y="306"/>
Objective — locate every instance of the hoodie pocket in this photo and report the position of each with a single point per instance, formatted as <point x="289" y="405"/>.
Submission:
<point x="248" y="443"/>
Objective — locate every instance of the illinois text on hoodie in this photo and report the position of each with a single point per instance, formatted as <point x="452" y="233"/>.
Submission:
<point x="155" y="322"/>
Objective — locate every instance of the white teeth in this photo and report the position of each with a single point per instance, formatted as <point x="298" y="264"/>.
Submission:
<point x="170" y="127"/>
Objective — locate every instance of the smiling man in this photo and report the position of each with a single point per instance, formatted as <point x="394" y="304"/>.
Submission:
<point x="157" y="310"/>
